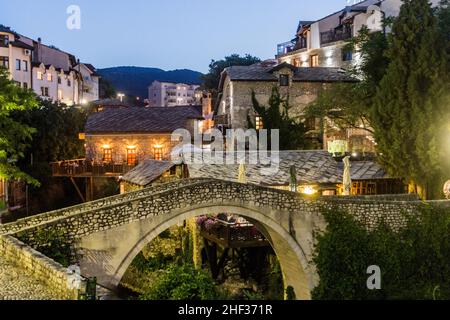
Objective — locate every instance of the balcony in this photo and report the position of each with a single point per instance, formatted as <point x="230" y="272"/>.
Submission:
<point x="286" y="47"/>
<point x="302" y="43"/>
<point x="335" y="35"/>
<point x="87" y="168"/>
<point x="231" y="235"/>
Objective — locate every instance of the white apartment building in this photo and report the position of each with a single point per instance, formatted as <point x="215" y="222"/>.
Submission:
<point x="321" y="43"/>
<point x="168" y="94"/>
<point x="51" y="73"/>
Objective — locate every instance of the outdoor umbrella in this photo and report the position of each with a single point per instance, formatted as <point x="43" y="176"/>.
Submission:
<point x="293" y="179"/>
<point x="347" y="180"/>
<point x="242" y="178"/>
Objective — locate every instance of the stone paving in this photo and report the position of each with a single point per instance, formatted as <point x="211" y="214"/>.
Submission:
<point x="15" y="284"/>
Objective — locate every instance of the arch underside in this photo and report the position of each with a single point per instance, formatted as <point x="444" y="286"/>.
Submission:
<point x="108" y="254"/>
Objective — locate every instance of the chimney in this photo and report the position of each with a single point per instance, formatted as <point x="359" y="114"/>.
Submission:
<point x="206" y="103"/>
<point x="39" y="40"/>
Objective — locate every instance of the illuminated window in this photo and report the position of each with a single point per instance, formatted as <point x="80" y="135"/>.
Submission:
<point x="296" y="62"/>
<point x="49" y="77"/>
<point x="314" y="61"/>
<point x="131" y="156"/>
<point x="259" y="123"/>
<point x="157" y="152"/>
<point x="107" y="154"/>
<point x="39" y="75"/>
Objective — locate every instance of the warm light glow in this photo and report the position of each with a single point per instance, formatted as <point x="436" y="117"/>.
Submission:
<point x="106" y="146"/>
<point x="84" y="101"/>
<point x="157" y="152"/>
<point x="309" y="190"/>
<point x="131" y="147"/>
<point x="121" y="96"/>
<point x="82" y="136"/>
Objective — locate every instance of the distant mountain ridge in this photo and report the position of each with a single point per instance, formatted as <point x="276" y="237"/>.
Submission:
<point x="134" y="81"/>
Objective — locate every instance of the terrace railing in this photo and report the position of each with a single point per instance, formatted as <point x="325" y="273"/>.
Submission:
<point x="335" y="35"/>
<point x="87" y="168"/>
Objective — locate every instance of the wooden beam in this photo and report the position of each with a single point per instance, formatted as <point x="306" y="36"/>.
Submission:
<point x="78" y="189"/>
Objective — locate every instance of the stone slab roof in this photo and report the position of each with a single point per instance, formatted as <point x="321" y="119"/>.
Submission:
<point x="147" y="171"/>
<point x="312" y="167"/>
<point x="258" y="72"/>
<point x="142" y="120"/>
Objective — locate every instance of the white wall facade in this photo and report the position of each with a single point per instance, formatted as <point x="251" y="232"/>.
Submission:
<point x="167" y="94"/>
<point x="67" y="83"/>
<point x="331" y="54"/>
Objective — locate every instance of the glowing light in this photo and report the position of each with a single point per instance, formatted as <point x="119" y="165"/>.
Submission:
<point x="131" y="147"/>
<point x="83" y="101"/>
<point x="354" y="154"/>
<point x="106" y="146"/>
<point x="121" y="96"/>
<point x="309" y="190"/>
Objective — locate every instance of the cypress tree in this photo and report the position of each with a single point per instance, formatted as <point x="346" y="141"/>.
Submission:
<point x="409" y="116"/>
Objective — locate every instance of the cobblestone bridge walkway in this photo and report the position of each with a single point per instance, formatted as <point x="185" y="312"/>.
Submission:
<point x="15" y="284"/>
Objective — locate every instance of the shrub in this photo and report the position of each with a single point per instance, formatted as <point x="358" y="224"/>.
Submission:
<point x="413" y="260"/>
<point x="182" y="283"/>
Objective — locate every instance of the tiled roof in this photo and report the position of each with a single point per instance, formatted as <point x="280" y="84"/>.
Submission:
<point x="4" y="28"/>
<point x="312" y="167"/>
<point x="147" y="171"/>
<point x="302" y="74"/>
<point x="142" y="120"/>
<point x="92" y="69"/>
<point x="20" y="44"/>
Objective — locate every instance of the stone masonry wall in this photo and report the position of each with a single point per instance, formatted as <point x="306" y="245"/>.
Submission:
<point x="20" y="224"/>
<point x="143" y="143"/>
<point x="300" y="95"/>
<point x="42" y="268"/>
<point x="145" y="204"/>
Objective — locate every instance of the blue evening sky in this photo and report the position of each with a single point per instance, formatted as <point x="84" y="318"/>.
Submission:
<point x="168" y="34"/>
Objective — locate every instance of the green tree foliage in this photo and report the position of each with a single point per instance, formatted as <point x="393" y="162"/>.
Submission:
<point x="52" y="243"/>
<point x="55" y="138"/>
<point x="410" y="111"/>
<point x="212" y="78"/>
<point x="106" y="89"/>
<point x="350" y="104"/>
<point x="413" y="260"/>
<point x="276" y="116"/>
<point x="15" y="136"/>
<point x="182" y="283"/>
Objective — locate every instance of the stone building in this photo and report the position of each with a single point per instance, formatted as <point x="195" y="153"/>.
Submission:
<point x="131" y="135"/>
<point x="300" y="85"/>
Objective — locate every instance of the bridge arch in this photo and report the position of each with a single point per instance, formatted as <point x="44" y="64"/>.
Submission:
<point x="295" y="268"/>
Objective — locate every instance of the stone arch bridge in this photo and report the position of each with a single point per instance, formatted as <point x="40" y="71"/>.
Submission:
<point x="110" y="232"/>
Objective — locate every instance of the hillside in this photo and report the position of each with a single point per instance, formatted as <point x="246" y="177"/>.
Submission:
<point x="134" y="81"/>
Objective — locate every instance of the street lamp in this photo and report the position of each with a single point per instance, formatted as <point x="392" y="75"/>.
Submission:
<point x="120" y="96"/>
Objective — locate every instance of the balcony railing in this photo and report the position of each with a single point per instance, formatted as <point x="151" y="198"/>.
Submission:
<point x="335" y="35"/>
<point x="87" y="168"/>
<point x="285" y="47"/>
<point x="232" y="235"/>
